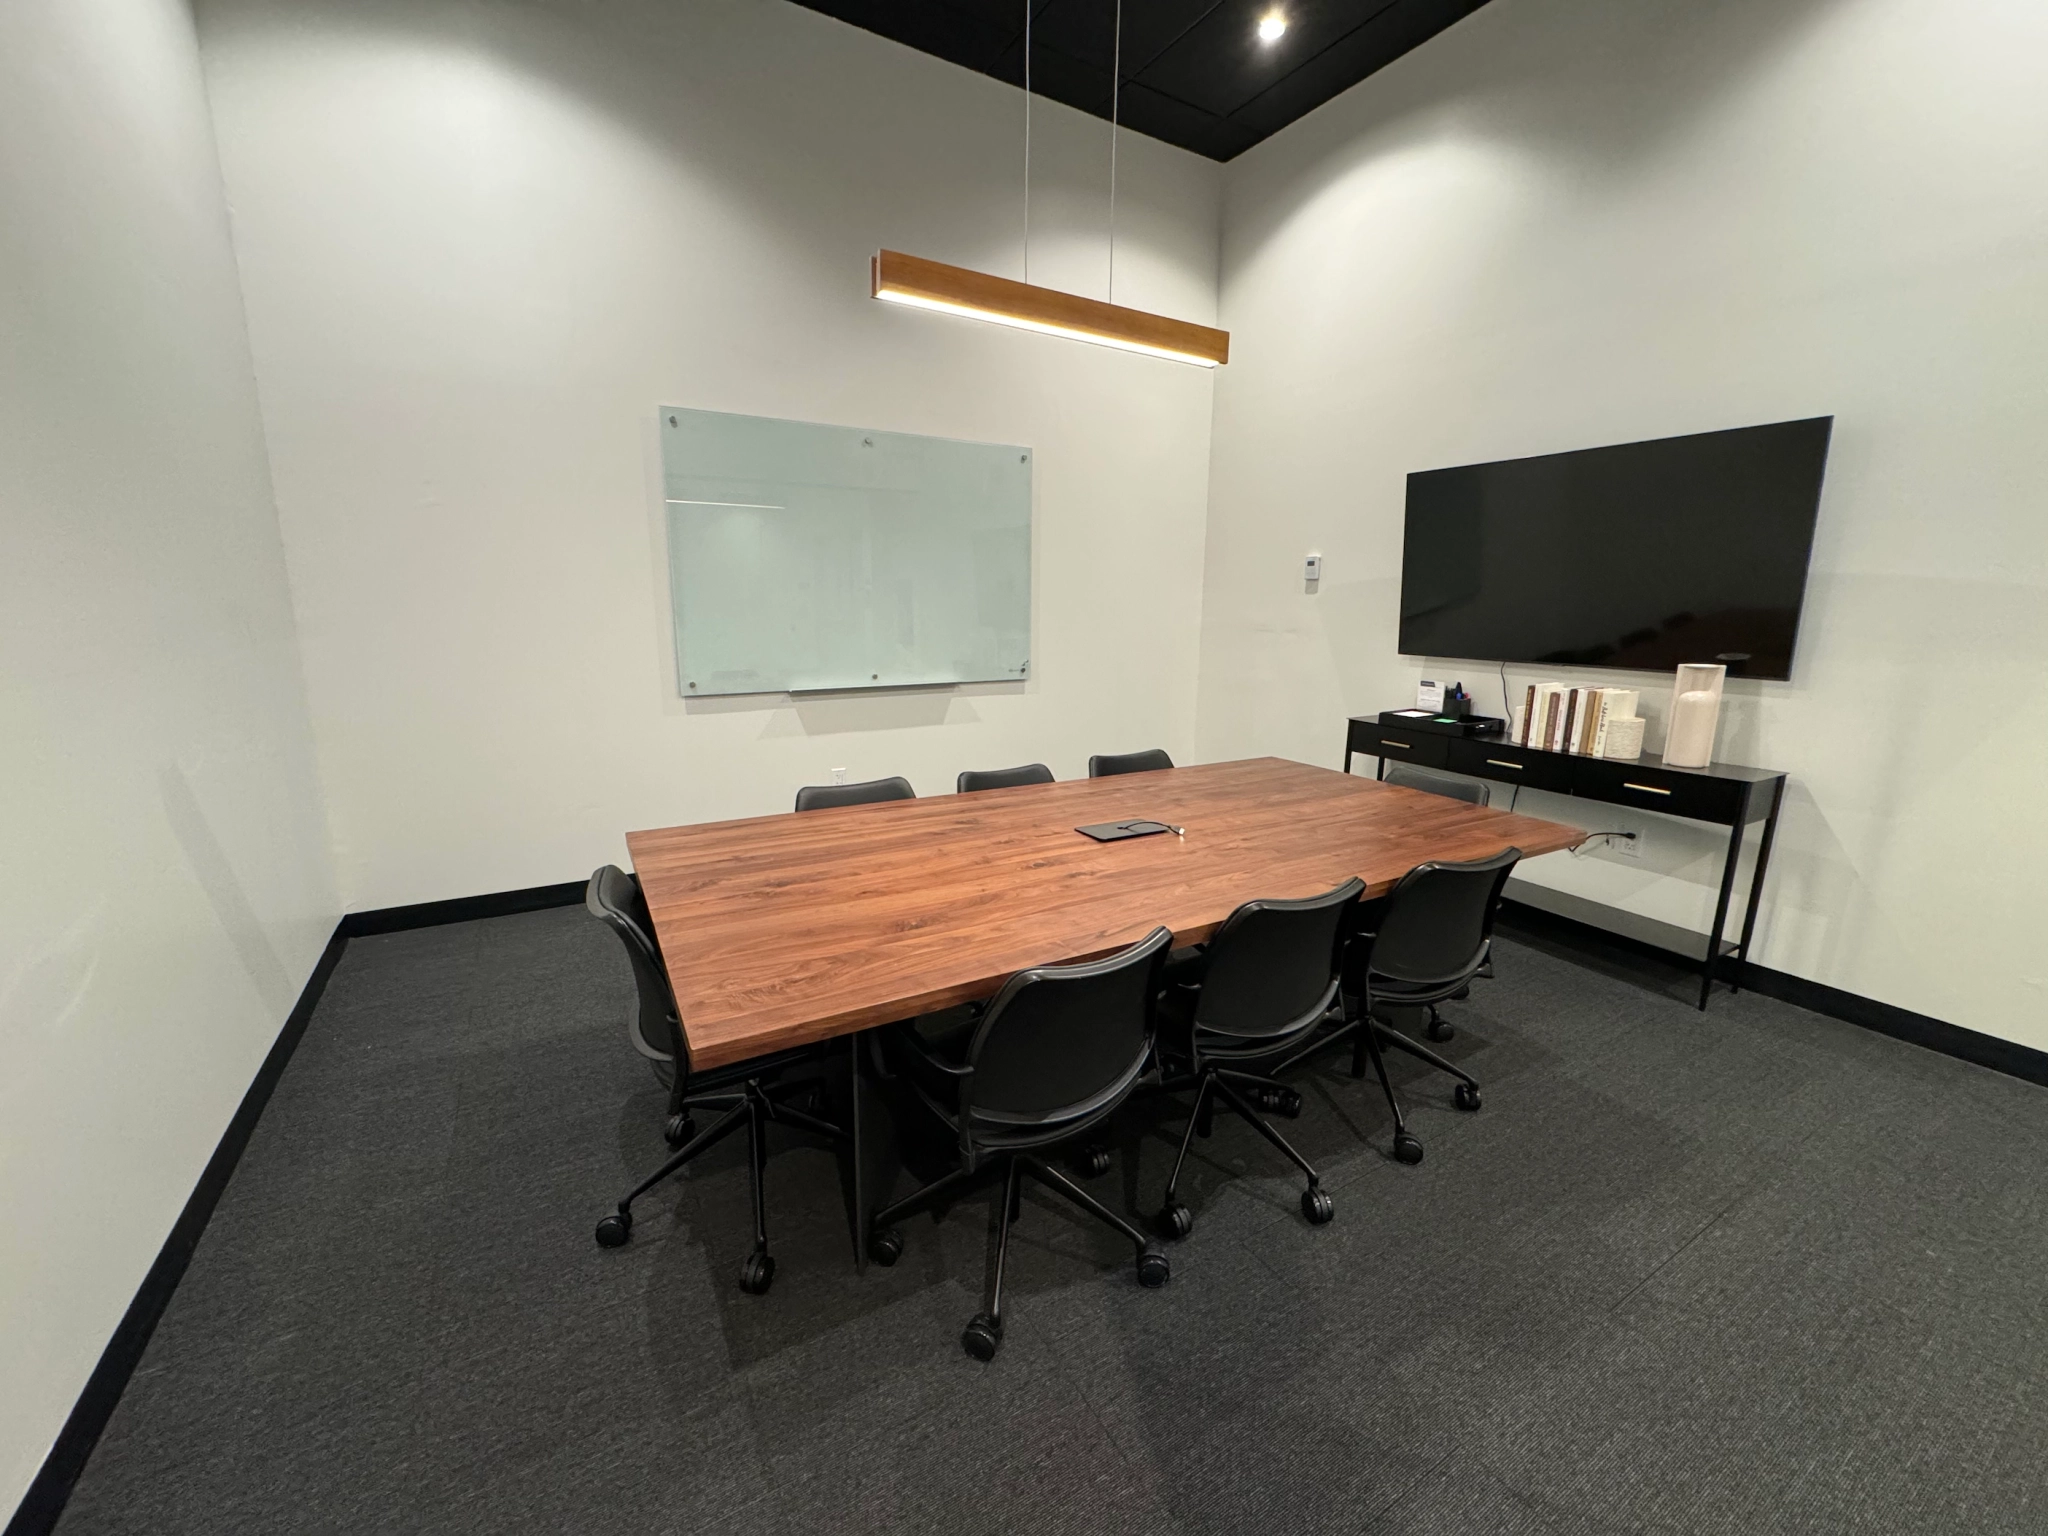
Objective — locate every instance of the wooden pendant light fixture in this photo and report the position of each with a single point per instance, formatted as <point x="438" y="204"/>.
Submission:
<point x="912" y="280"/>
<point x="924" y="284"/>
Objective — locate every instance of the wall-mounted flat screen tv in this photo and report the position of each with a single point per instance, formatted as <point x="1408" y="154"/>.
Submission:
<point x="1643" y="556"/>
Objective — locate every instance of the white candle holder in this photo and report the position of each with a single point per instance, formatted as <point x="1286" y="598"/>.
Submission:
<point x="1695" y="712"/>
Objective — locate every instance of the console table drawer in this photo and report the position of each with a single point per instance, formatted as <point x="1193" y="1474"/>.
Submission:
<point x="1422" y="747"/>
<point x="1497" y="760"/>
<point x="1691" y="795"/>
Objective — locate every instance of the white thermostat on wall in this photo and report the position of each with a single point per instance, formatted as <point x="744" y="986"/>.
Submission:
<point x="1312" y="568"/>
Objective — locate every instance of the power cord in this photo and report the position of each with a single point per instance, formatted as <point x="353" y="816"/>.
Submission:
<point x="1580" y="851"/>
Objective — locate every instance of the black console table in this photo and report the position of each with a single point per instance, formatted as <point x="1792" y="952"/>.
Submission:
<point x="1723" y="794"/>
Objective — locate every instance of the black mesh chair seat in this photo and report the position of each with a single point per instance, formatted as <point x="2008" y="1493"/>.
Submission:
<point x="1255" y="992"/>
<point x="821" y="797"/>
<point x="1103" y="766"/>
<point x="1054" y="1053"/>
<point x="974" y="779"/>
<point x="1432" y="936"/>
<point x="773" y="1088"/>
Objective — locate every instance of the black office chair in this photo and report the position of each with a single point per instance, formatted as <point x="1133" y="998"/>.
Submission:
<point x="1101" y="767"/>
<point x="1435" y="933"/>
<point x="1260" y="987"/>
<point x="972" y="779"/>
<point x="1471" y="791"/>
<point x="819" y="797"/>
<point x="1050" y="1058"/>
<point x="747" y="1093"/>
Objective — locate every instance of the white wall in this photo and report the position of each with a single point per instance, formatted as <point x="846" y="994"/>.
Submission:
<point x="481" y="244"/>
<point x="167" y="886"/>
<point x="1571" y="222"/>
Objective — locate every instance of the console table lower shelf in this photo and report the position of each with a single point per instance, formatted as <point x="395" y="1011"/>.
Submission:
<point x="1723" y="794"/>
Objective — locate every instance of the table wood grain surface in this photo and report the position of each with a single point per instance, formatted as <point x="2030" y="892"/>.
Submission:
<point x="783" y="930"/>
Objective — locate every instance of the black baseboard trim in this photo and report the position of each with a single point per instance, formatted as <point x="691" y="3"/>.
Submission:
<point x="462" y="909"/>
<point x="2006" y="1056"/>
<point x="47" y="1495"/>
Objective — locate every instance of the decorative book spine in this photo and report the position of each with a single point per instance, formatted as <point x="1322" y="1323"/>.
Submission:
<point x="1571" y="715"/>
<point x="1548" y="742"/>
<point x="1528" y="714"/>
<point x="1608" y="701"/>
<point x="1596" y="714"/>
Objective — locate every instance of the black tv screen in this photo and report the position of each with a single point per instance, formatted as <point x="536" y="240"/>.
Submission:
<point x="1643" y="556"/>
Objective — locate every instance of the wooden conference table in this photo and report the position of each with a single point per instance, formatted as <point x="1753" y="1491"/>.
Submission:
<point x="787" y="930"/>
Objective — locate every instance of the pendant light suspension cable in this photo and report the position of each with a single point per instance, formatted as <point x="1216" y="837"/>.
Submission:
<point x="1027" y="137"/>
<point x="1116" y="77"/>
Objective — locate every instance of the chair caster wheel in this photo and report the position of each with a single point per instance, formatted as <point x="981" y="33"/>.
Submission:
<point x="1465" y="1096"/>
<point x="982" y="1337"/>
<point x="1153" y="1267"/>
<point x="1317" y="1205"/>
<point x="757" y="1273"/>
<point x="886" y="1246"/>
<point x="1176" y="1220"/>
<point x="1093" y="1161"/>
<point x="613" y="1231"/>
<point x="1407" y="1147"/>
<point x="1441" y="1029"/>
<point x="679" y="1129"/>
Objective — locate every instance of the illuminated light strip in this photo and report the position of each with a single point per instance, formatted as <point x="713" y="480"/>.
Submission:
<point x="921" y="284"/>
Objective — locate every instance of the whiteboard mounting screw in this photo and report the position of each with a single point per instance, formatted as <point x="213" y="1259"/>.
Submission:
<point x="671" y="421"/>
<point x="867" y="442"/>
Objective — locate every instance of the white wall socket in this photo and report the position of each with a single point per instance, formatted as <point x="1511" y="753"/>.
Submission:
<point x="1628" y="847"/>
<point x="1312" y="568"/>
<point x="838" y="775"/>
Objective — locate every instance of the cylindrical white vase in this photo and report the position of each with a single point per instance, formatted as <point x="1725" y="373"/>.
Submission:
<point x="1695" y="712"/>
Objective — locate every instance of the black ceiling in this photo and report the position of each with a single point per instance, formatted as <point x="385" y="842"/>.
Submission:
<point x="1194" y="71"/>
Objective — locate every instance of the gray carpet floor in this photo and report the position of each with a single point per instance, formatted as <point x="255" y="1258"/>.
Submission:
<point x="1749" y="1270"/>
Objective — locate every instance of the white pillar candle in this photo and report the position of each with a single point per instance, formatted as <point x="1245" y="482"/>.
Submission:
<point x="1625" y="739"/>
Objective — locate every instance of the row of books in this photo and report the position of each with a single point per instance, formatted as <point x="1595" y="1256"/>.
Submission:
<point x="1560" y="719"/>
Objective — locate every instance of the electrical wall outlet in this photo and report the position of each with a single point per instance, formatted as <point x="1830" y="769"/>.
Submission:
<point x="1627" y="847"/>
<point x="838" y="775"/>
<point x="1312" y="568"/>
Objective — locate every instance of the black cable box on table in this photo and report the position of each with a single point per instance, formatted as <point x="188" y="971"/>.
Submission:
<point x="1445" y="725"/>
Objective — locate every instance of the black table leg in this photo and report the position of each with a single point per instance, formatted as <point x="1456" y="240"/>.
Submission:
<point x="1713" y="959"/>
<point x="1756" y="881"/>
<point x="857" y="1117"/>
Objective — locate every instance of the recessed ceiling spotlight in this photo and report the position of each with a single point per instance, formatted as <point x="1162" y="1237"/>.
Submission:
<point x="1271" y="25"/>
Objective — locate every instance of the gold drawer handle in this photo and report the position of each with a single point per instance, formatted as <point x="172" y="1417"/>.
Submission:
<point x="1388" y="741"/>
<point x="1648" y="789"/>
<point x="1496" y="762"/>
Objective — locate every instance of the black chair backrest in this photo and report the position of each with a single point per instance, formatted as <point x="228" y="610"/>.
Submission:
<point x="818" y="797"/>
<point x="1471" y="791"/>
<point x="1439" y="919"/>
<point x="614" y="897"/>
<point x="1060" y="1040"/>
<point x="1272" y="967"/>
<point x="972" y="779"/>
<point x="1101" y="767"/>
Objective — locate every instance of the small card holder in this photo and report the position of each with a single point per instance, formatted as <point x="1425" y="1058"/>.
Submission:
<point x="1116" y="831"/>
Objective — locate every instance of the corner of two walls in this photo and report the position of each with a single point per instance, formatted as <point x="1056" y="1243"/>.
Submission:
<point x="1571" y="222"/>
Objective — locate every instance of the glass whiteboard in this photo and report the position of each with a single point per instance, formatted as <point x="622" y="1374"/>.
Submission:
<point x="812" y="557"/>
